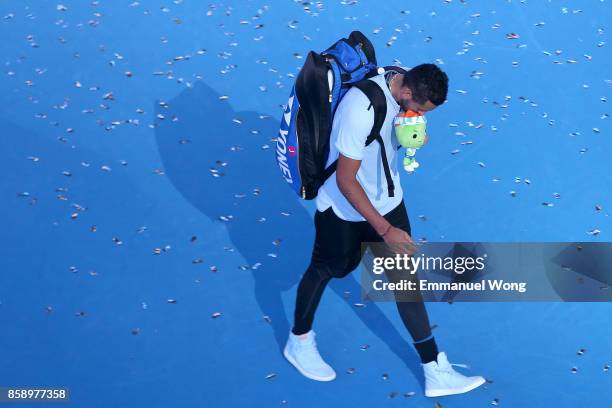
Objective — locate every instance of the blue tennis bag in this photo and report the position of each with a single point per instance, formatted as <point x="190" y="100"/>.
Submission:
<point x="302" y="145"/>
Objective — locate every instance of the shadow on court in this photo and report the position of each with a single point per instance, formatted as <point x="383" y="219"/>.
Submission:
<point x="215" y="158"/>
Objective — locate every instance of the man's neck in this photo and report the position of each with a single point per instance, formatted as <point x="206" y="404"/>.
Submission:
<point x="395" y="86"/>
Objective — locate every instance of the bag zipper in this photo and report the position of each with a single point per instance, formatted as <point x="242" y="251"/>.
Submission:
<point x="297" y="134"/>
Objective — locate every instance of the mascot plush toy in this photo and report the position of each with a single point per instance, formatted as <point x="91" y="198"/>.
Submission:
<point x="411" y="132"/>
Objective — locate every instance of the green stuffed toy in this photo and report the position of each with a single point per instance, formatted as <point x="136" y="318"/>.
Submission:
<point x="411" y="132"/>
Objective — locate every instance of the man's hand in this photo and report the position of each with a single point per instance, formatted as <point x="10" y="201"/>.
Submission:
<point x="399" y="241"/>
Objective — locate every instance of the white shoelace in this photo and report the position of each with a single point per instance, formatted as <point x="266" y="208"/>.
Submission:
<point x="308" y="346"/>
<point x="452" y="365"/>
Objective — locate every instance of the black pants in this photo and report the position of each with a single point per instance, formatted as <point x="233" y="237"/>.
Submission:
<point x="337" y="252"/>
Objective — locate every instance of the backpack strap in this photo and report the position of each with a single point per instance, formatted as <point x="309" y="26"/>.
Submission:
<point x="329" y="171"/>
<point x="395" y="68"/>
<point x="377" y="101"/>
<point x="399" y="70"/>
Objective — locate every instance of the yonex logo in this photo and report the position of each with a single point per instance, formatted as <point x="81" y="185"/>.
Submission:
<point x="281" y="142"/>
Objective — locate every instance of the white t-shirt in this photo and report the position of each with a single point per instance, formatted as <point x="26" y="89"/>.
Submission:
<point x="351" y="126"/>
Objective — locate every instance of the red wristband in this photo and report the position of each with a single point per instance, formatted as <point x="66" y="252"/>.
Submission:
<point x="387" y="230"/>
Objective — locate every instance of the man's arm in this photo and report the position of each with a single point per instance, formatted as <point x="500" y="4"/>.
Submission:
<point x="346" y="178"/>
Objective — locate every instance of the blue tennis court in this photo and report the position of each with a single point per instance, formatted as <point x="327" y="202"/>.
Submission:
<point x="151" y="249"/>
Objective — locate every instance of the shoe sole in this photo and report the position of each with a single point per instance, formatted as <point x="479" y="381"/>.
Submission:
<point x="304" y="373"/>
<point x="453" y="391"/>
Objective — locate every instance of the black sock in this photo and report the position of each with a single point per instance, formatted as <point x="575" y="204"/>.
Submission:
<point x="428" y="350"/>
<point x="299" y="332"/>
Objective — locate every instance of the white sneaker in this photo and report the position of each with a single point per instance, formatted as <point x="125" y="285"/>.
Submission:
<point x="441" y="379"/>
<point x="303" y="354"/>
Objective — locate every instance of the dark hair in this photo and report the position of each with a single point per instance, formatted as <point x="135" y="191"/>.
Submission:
<point x="427" y="83"/>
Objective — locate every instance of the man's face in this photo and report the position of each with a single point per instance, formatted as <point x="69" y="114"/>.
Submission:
<point x="408" y="104"/>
